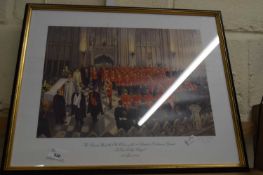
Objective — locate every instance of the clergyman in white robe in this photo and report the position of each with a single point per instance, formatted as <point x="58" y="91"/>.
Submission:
<point x="69" y="90"/>
<point x="77" y="77"/>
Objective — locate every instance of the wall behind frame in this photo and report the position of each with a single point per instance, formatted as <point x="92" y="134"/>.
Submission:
<point x="243" y="24"/>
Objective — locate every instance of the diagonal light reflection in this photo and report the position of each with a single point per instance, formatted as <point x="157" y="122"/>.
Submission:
<point x="194" y="64"/>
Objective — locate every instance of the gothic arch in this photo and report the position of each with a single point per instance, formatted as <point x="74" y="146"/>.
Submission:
<point x="103" y="60"/>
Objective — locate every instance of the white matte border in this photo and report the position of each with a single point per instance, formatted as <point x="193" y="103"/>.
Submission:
<point x="31" y="151"/>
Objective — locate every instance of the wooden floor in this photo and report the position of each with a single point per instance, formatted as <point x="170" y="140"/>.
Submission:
<point x="251" y="172"/>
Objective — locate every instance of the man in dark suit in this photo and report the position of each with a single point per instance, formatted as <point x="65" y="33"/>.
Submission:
<point x="59" y="107"/>
<point x="132" y="115"/>
<point x="85" y="76"/>
<point x="121" y="119"/>
<point x="43" y="128"/>
<point x="95" y="105"/>
<point x="78" y="102"/>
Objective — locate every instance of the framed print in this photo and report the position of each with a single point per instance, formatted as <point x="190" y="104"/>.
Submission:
<point x="113" y="89"/>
